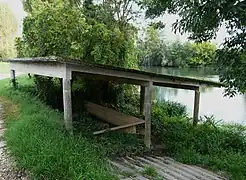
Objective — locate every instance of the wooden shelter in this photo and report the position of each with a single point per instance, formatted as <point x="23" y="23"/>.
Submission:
<point x="64" y="67"/>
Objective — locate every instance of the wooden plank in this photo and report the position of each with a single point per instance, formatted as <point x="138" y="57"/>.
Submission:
<point x="54" y="69"/>
<point x="142" y="96"/>
<point x="140" y="75"/>
<point x="112" y="79"/>
<point x="110" y="115"/>
<point x="117" y="128"/>
<point x="196" y="107"/>
<point x="177" y="86"/>
<point x="13" y="78"/>
<point x="67" y="105"/>
<point x="147" y="104"/>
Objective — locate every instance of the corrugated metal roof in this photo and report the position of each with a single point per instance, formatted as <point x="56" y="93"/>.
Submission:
<point x="133" y="168"/>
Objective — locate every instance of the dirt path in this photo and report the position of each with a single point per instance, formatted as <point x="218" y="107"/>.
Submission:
<point x="8" y="170"/>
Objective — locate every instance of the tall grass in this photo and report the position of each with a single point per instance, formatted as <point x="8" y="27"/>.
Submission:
<point x="36" y="137"/>
<point x="220" y="147"/>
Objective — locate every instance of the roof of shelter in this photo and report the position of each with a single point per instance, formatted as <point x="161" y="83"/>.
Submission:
<point x="78" y="62"/>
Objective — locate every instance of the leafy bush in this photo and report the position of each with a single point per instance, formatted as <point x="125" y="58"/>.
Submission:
<point x="165" y="109"/>
<point x="218" y="146"/>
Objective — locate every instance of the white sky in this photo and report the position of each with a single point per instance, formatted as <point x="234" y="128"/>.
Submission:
<point x="17" y="8"/>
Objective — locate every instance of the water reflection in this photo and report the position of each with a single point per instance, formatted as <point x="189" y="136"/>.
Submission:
<point x="212" y="100"/>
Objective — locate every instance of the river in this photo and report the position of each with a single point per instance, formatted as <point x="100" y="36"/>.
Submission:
<point x="212" y="101"/>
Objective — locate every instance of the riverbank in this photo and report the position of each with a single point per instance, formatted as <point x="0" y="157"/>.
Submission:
<point x="36" y="138"/>
<point x="212" y="101"/>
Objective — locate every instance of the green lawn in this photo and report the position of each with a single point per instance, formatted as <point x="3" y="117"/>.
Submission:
<point x="4" y="67"/>
<point x="36" y="137"/>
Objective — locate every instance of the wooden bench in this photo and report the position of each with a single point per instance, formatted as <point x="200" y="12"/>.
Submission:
<point x="122" y="121"/>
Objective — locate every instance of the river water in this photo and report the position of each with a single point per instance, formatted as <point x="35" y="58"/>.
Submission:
<point x="212" y="101"/>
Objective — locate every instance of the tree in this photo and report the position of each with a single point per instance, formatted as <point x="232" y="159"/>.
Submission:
<point x="88" y="32"/>
<point x="36" y="6"/>
<point x="203" y="54"/>
<point x="151" y="49"/>
<point x="202" y="19"/>
<point x="8" y="29"/>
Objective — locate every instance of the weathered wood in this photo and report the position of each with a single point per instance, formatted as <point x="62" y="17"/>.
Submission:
<point x="177" y="86"/>
<point x="114" y="117"/>
<point x="142" y="96"/>
<point x="54" y="69"/>
<point x="110" y="115"/>
<point x="118" y="128"/>
<point x="13" y="78"/>
<point x="196" y="107"/>
<point x="111" y="78"/>
<point x="140" y="75"/>
<point x="147" y="104"/>
<point x="67" y="105"/>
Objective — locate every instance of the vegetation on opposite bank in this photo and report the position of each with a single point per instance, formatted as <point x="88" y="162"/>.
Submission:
<point x="36" y="137"/>
<point x="154" y="51"/>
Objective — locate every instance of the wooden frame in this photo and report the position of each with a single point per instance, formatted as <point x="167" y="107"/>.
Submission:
<point x="60" y="68"/>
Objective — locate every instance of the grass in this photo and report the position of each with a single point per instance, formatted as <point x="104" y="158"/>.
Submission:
<point x="36" y="137"/>
<point x="150" y="171"/>
<point x="219" y="147"/>
<point x="4" y="67"/>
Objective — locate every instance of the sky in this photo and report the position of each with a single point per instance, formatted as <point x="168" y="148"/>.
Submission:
<point x="17" y="9"/>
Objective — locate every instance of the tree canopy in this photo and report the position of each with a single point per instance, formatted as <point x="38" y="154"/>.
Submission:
<point x="8" y="29"/>
<point x="91" y="33"/>
<point x="202" y="20"/>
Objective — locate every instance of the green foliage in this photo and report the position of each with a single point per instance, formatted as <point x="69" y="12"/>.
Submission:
<point x="214" y="145"/>
<point x="151" y="49"/>
<point x="168" y="109"/>
<point x="156" y="52"/>
<point x="202" y="21"/>
<point x="8" y="29"/>
<point x="37" y="139"/>
<point x="89" y="33"/>
<point x="203" y="54"/>
<point x="150" y="171"/>
<point x="179" y="54"/>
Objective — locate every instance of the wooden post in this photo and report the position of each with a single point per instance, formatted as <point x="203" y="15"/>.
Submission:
<point x="196" y="107"/>
<point x="142" y="94"/>
<point x="147" y="104"/>
<point x="67" y="105"/>
<point x="13" y="78"/>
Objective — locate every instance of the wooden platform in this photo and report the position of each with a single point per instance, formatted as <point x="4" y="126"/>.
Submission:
<point x="121" y="121"/>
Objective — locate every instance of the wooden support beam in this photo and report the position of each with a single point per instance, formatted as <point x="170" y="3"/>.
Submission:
<point x="196" y="107"/>
<point x="67" y="105"/>
<point x="117" y="128"/>
<point x="13" y="78"/>
<point x="147" y="104"/>
<point x="177" y="86"/>
<point x="111" y="78"/>
<point x="142" y="97"/>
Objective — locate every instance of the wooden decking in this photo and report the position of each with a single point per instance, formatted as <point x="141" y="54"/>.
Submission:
<point x="64" y="68"/>
<point x="133" y="168"/>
